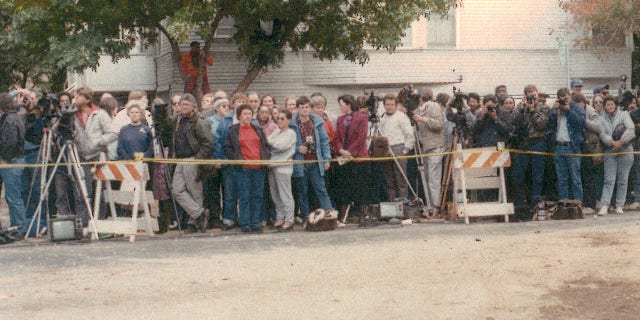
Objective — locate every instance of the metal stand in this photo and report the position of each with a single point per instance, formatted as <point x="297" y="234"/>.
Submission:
<point x="416" y="198"/>
<point x="166" y="175"/>
<point x="448" y="170"/>
<point x="70" y="154"/>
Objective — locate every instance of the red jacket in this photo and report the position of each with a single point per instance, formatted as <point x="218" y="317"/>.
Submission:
<point x="357" y="135"/>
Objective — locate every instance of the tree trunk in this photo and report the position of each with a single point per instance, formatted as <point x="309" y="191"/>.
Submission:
<point x="249" y="77"/>
<point x="175" y="48"/>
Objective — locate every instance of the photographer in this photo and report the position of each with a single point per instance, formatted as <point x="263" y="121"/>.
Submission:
<point x="93" y="132"/>
<point x="567" y="120"/>
<point x="430" y="121"/>
<point x="312" y="144"/>
<point x="11" y="152"/>
<point x="490" y="127"/>
<point x="530" y="126"/>
<point x="460" y="115"/>
<point x="396" y="127"/>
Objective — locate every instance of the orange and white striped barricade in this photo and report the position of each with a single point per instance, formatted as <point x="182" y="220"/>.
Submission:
<point x="135" y="174"/>
<point x="481" y="169"/>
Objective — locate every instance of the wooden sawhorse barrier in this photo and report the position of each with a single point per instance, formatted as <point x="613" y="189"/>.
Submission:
<point x="135" y="174"/>
<point x="481" y="169"/>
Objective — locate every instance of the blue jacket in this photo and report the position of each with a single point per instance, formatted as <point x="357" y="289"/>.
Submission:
<point x="576" y="122"/>
<point x="323" y="151"/>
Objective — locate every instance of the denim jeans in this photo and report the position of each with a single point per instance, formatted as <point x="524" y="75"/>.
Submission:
<point x="312" y="175"/>
<point x="33" y="175"/>
<point x="229" y="195"/>
<point x="616" y="171"/>
<point x="568" y="170"/>
<point x="12" y="179"/>
<point x="250" y="183"/>
<point x="522" y="163"/>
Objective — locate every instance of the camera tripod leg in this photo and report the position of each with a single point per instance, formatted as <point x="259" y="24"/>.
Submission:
<point x="448" y="171"/>
<point x="43" y="158"/>
<point x="79" y="175"/>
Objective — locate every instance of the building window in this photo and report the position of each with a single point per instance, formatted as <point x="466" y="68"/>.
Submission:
<point x="406" y="41"/>
<point x="225" y="30"/>
<point x="441" y="30"/>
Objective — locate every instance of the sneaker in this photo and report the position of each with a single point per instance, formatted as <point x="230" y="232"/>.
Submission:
<point x="619" y="210"/>
<point x="298" y="220"/>
<point x="588" y="210"/>
<point x="603" y="211"/>
<point x="634" y="206"/>
<point x="226" y="227"/>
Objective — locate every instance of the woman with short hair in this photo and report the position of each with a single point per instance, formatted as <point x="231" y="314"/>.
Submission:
<point x="617" y="135"/>
<point x="351" y="145"/>
<point x="246" y="141"/>
<point x="282" y="143"/>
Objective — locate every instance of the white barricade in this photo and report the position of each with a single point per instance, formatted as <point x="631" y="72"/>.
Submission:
<point x="132" y="193"/>
<point x="481" y="169"/>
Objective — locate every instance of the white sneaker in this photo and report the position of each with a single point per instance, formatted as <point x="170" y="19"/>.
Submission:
<point x="588" y="210"/>
<point x="619" y="210"/>
<point x="634" y="206"/>
<point x="603" y="211"/>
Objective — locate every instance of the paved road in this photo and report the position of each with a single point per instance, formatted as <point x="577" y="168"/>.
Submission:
<point x="384" y="272"/>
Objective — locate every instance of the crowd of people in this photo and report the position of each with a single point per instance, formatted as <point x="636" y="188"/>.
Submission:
<point x="253" y="196"/>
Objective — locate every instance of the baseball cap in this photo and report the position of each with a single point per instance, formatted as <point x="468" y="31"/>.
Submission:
<point x="576" y="83"/>
<point x="600" y="88"/>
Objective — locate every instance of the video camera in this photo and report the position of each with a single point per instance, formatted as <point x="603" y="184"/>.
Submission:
<point x="65" y="124"/>
<point x="48" y="104"/>
<point x="372" y="106"/>
<point x="410" y="99"/>
<point x="456" y="112"/>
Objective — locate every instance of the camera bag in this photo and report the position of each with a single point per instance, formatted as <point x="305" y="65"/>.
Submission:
<point x="568" y="209"/>
<point x="319" y="220"/>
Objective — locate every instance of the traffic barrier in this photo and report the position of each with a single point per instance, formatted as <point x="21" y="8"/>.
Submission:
<point x="132" y="193"/>
<point x="481" y="169"/>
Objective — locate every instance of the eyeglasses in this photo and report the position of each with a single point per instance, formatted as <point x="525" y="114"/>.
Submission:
<point x="597" y="101"/>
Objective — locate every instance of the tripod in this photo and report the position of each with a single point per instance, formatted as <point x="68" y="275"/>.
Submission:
<point x="166" y="174"/>
<point x="416" y="198"/>
<point x="458" y="135"/>
<point x="69" y="153"/>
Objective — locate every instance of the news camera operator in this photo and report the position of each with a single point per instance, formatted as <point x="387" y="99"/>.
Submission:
<point x="396" y="127"/>
<point x="459" y="113"/>
<point x="530" y="127"/>
<point x="430" y="121"/>
<point x="490" y="127"/>
<point x="92" y="133"/>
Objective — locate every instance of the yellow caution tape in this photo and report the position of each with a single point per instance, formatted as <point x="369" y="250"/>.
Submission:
<point x="285" y="162"/>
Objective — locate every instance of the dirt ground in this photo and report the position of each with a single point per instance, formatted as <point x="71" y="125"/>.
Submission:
<point x="579" y="269"/>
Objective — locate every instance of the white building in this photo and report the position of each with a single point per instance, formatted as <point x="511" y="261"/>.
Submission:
<point x="482" y="44"/>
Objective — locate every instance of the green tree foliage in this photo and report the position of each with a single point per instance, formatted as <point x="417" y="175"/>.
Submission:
<point x="71" y="34"/>
<point x="606" y="24"/>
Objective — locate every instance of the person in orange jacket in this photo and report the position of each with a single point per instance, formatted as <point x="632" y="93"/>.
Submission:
<point x="190" y="63"/>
